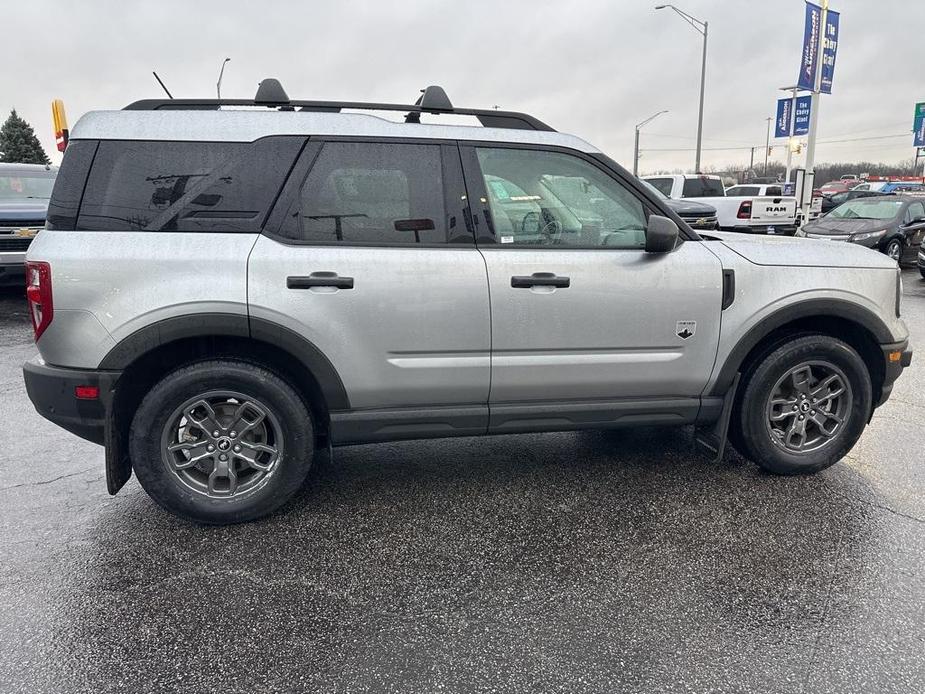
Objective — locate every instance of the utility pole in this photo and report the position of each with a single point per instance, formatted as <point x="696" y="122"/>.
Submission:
<point x="767" y="146"/>
<point x="814" y="107"/>
<point x="636" y="145"/>
<point x="701" y="28"/>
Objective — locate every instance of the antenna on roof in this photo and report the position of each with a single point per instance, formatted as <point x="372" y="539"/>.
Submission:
<point x="161" y="83"/>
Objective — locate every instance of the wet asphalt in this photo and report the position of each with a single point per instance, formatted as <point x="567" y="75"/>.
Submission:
<point x="598" y="562"/>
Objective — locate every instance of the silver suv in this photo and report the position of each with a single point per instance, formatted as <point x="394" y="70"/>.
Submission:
<point x="222" y="291"/>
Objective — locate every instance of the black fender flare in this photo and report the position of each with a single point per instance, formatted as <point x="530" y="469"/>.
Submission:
<point x="217" y="325"/>
<point x="821" y="308"/>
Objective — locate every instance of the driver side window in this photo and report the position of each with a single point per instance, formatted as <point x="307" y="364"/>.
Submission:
<point x="553" y="199"/>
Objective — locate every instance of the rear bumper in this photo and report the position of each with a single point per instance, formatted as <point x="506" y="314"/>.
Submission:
<point x="768" y="229"/>
<point x="896" y="357"/>
<point x="51" y="390"/>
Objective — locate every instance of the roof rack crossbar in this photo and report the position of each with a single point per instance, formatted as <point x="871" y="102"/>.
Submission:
<point x="487" y="117"/>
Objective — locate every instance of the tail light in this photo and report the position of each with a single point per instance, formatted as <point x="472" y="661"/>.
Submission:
<point x="745" y="210"/>
<point x="38" y="294"/>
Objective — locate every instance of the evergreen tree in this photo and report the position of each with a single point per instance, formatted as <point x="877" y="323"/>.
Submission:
<point x="18" y="143"/>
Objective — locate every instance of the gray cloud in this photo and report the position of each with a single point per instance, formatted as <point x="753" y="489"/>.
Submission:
<point x="594" y="68"/>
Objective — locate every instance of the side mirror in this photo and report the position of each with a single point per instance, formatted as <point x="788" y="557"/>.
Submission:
<point x="661" y="235"/>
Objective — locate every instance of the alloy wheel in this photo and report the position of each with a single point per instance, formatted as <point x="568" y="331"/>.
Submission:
<point x="222" y="444"/>
<point x="809" y="407"/>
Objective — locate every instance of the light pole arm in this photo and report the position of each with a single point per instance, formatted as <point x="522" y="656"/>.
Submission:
<point x="693" y="21"/>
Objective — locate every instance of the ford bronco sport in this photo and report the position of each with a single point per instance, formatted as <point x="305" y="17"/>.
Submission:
<point x="221" y="291"/>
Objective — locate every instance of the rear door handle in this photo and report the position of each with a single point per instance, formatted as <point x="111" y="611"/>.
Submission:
<point x="539" y="279"/>
<point x="319" y="279"/>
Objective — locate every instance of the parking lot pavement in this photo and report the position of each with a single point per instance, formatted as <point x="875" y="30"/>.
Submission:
<point x="601" y="561"/>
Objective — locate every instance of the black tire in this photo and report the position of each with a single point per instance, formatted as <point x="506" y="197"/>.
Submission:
<point x="922" y="272"/>
<point x="286" y="417"/>
<point x="894" y="249"/>
<point x="755" y="435"/>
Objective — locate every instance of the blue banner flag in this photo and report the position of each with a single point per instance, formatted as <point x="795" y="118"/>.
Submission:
<point x="801" y="114"/>
<point x="808" y="60"/>
<point x="918" y="139"/>
<point x="784" y="116"/>
<point x="828" y="52"/>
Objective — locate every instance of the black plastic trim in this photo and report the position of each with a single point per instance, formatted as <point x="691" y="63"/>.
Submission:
<point x="391" y="424"/>
<point x="217" y="325"/>
<point x="51" y="390"/>
<point x="729" y="288"/>
<point x="805" y="309"/>
<point x="509" y="418"/>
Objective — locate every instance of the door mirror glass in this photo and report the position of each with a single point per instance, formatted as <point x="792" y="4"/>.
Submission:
<point x="661" y="235"/>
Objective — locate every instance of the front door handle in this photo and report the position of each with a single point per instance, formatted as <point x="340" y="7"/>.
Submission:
<point x="539" y="279"/>
<point x="319" y="279"/>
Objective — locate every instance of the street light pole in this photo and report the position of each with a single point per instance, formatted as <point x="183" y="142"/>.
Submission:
<point x="636" y="146"/>
<point x="218" y="85"/>
<point x="701" y="27"/>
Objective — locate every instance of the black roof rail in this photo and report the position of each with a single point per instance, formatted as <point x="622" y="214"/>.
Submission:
<point x="271" y="94"/>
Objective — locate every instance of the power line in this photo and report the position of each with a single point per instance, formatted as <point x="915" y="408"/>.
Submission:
<point x="726" y="149"/>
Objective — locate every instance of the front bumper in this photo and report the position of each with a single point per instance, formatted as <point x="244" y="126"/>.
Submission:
<point x="896" y="357"/>
<point x="52" y="391"/>
<point x="12" y="268"/>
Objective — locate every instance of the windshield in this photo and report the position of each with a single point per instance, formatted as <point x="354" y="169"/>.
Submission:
<point x="867" y="209"/>
<point x="26" y="186"/>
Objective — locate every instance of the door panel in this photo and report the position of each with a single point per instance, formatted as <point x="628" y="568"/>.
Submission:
<point x="373" y="264"/>
<point x="413" y="330"/>
<point x="612" y="333"/>
<point x="579" y="310"/>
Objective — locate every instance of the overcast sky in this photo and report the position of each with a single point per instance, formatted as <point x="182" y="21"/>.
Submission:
<point x="590" y="67"/>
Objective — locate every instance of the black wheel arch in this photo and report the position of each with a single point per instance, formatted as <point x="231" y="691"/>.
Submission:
<point x="857" y="326"/>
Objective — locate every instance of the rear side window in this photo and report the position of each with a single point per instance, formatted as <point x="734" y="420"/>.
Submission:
<point x="662" y="185"/>
<point x="773" y="190"/>
<point x="185" y="186"/>
<point x="703" y="188"/>
<point x="372" y="193"/>
<point x="69" y="185"/>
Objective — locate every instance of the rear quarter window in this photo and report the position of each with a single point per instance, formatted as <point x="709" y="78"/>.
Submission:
<point x="703" y="188"/>
<point x="185" y="186"/>
<point x="69" y="186"/>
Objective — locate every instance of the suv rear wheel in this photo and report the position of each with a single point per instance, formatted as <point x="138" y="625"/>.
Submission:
<point x="804" y="406"/>
<point x="221" y="442"/>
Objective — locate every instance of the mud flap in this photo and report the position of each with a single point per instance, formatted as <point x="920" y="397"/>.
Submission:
<point x="712" y="440"/>
<point x="118" y="464"/>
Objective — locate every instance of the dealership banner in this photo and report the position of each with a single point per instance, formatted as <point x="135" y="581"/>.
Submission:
<point x="807" y="78"/>
<point x="828" y="52"/>
<point x="784" y="116"/>
<point x="918" y="126"/>
<point x="801" y="114"/>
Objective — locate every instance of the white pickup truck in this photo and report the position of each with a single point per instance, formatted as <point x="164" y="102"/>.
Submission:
<point x="755" y="214"/>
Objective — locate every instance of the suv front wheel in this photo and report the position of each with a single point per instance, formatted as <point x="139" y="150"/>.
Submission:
<point x="804" y="406"/>
<point x="221" y="442"/>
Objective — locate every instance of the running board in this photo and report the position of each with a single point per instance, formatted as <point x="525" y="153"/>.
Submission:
<point x="712" y="440"/>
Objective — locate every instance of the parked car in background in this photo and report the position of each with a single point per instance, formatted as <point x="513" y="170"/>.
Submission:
<point x="833" y="187"/>
<point x="902" y="187"/>
<point x="892" y="224"/>
<point x="830" y="202"/>
<point x="757" y="214"/>
<point x="698" y="215"/>
<point x="753" y="189"/>
<point x="873" y="186"/>
<point x="850" y="179"/>
<point x="24" y="193"/>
